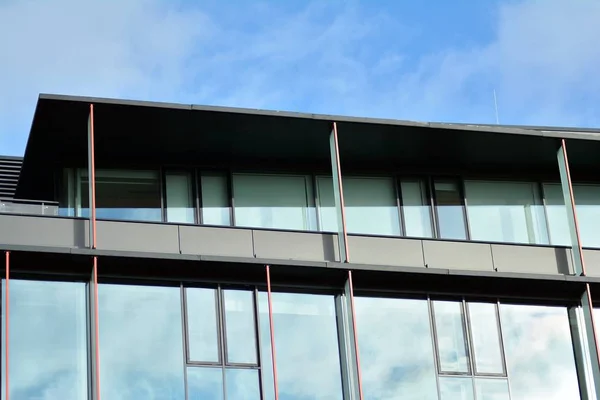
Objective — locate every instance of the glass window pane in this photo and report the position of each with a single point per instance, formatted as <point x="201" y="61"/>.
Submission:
<point x="140" y="342"/>
<point x="205" y="383"/>
<point x="240" y="327"/>
<point x="486" y="338"/>
<point x="491" y="389"/>
<point x="506" y="212"/>
<point x="450" y="213"/>
<point x="215" y="200"/>
<point x="123" y="195"/>
<point x="371" y="206"/>
<point x="48" y="340"/>
<point x="557" y="215"/>
<point x="271" y="201"/>
<point x="455" y="388"/>
<point x="242" y="384"/>
<point x="180" y="205"/>
<point x="451" y="339"/>
<point x="416" y="209"/>
<point x="203" y="335"/>
<point x="395" y="344"/>
<point x="308" y="364"/>
<point x="587" y="199"/>
<point x="539" y="352"/>
<point x="328" y="218"/>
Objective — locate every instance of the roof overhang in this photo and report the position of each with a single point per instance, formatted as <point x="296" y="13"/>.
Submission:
<point x="148" y="134"/>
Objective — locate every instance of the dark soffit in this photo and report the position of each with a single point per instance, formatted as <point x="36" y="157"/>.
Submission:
<point x="140" y="133"/>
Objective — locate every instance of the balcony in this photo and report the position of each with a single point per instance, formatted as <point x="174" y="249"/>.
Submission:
<point x="28" y="207"/>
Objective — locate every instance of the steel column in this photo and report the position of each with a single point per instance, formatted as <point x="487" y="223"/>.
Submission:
<point x="338" y="192"/>
<point x="588" y="330"/>
<point x="95" y="320"/>
<point x="272" y="332"/>
<point x="7" y="324"/>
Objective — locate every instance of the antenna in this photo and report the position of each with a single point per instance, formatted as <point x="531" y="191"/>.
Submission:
<point x="496" y="108"/>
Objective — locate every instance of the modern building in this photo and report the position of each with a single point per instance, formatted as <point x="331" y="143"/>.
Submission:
<point x="168" y="251"/>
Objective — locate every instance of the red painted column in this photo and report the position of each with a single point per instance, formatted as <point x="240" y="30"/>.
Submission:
<point x="337" y="175"/>
<point x="7" y="324"/>
<point x="272" y="331"/>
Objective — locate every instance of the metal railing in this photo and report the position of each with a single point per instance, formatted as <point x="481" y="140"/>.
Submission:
<point x="34" y="207"/>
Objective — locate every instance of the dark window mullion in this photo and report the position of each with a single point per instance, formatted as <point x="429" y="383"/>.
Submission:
<point x="163" y="193"/>
<point x="184" y="335"/>
<point x="197" y="188"/>
<point x="230" y="192"/>
<point x="463" y="196"/>
<point x="221" y="328"/>
<point x="433" y="204"/>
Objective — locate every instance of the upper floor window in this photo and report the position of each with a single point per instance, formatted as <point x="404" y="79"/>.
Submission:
<point x="121" y="195"/>
<point x="274" y="201"/>
<point x="506" y="212"/>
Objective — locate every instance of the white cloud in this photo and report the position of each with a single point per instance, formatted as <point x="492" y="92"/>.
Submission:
<point x="341" y="57"/>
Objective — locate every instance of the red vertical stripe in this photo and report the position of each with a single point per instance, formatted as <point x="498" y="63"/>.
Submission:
<point x="6" y="324"/>
<point x="272" y="331"/>
<point x="358" y="371"/>
<point x="92" y="178"/>
<point x="339" y="176"/>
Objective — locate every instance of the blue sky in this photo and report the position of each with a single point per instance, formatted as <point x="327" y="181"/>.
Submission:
<point x="431" y="60"/>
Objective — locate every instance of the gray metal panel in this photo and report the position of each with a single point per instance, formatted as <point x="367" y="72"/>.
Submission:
<point x="296" y="245"/>
<point x="43" y="231"/>
<point x="386" y="251"/>
<point x="136" y="236"/>
<point x="458" y="255"/>
<point x="592" y="262"/>
<point x="531" y="259"/>
<point x="204" y="240"/>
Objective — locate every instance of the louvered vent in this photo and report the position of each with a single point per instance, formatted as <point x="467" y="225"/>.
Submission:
<point x="10" y="167"/>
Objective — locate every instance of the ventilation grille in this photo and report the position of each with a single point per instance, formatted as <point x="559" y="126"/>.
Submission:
<point x="10" y="167"/>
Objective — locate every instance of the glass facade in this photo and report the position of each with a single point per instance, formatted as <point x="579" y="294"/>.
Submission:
<point x="178" y="342"/>
<point x="481" y="210"/>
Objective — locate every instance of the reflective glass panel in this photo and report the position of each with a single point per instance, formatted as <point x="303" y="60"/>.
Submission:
<point x="328" y="218"/>
<point x="416" y="209"/>
<point x="371" y="206"/>
<point x="140" y="342"/>
<point x="506" y="212"/>
<point x="451" y="339"/>
<point x="395" y="344"/>
<point x="203" y="334"/>
<point x="273" y="201"/>
<point x="370" y="203"/>
<point x="456" y="388"/>
<point x="308" y="364"/>
<point x="557" y="215"/>
<point x="486" y="338"/>
<point x="215" y="200"/>
<point x="180" y="204"/>
<point x="242" y="384"/>
<point x="205" y="383"/>
<point x="491" y="389"/>
<point x="587" y="199"/>
<point x="240" y="327"/>
<point x="48" y="340"/>
<point x="450" y="213"/>
<point x="539" y="352"/>
<point x="123" y="195"/>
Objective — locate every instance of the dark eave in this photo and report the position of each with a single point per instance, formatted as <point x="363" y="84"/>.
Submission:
<point x="148" y="134"/>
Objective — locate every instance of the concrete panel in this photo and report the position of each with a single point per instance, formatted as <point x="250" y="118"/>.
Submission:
<point x="137" y="236"/>
<point x="531" y="259"/>
<point x="203" y="240"/>
<point x="296" y="245"/>
<point x="43" y="231"/>
<point x="386" y="251"/>
<point x="458" y="255"/>
<point x="592" y="262"/>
